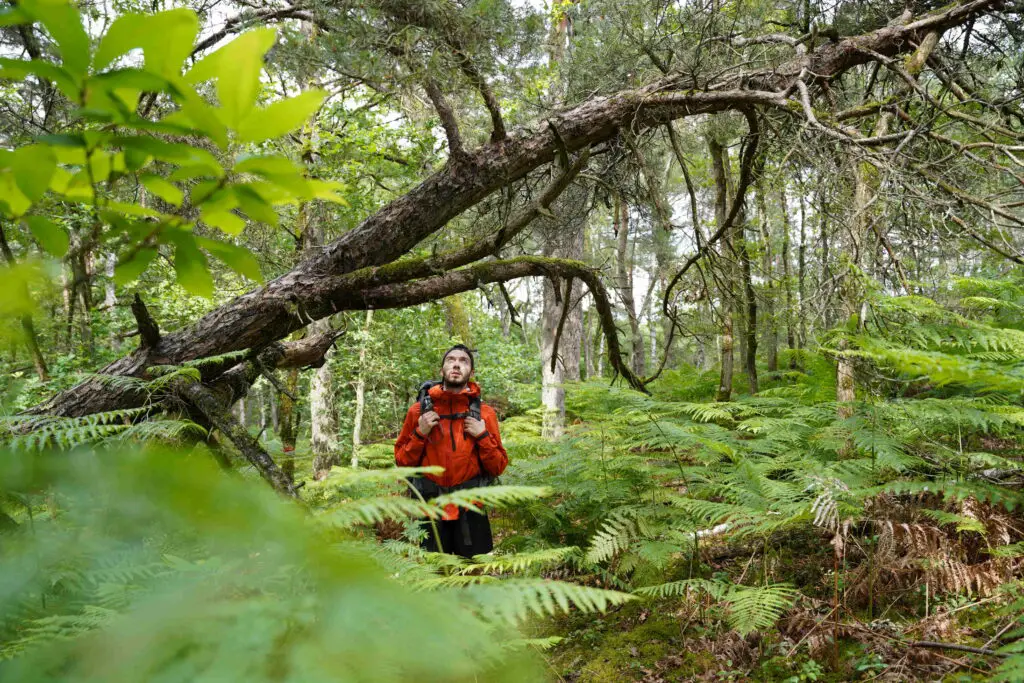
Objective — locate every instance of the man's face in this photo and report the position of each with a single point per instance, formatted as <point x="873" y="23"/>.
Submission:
<point x="456" y="369"/>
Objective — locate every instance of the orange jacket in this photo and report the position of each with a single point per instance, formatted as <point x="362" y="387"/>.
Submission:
<point x="448" y="445"/>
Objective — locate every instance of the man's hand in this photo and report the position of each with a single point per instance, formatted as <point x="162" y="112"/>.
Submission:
<point x="428" y="421"/>
<point x="475" y="427"/>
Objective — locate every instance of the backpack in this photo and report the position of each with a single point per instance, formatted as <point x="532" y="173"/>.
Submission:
<point x="428" y="488"/>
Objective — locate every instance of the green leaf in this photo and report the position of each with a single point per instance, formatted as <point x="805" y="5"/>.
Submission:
<point x="51" y="237"/>
<point x="190" y="171"/>
<point x="99" y="166"/>
<point x="236" y="258"/>
<point x="254" y="206"/>
<point x="18" y="69"/>
<point x="132" y="268"/>
<point x="166" y="38"/>
<point x="63" y="140"/>
<point x="237" y="67"/>
<point x="133" y="210"/>
<point x="174" y="152"/>
<point x="76" y="188"/>
<point x="326" y="190"/>
<point x="64" y="23"/>
<point x="15" y="203"/>
<point x="281" y="117"/>
<point x="12" y="16"/>
<point x="225" y="221"/>
<point x="268" y="166"/>
<point x="33" y="168"/>
<point x="190" y="265"/>
<point x="278" y="171"/>
<point x="129" y="79"/>
<point x="163" y="189"/>
<point x="197" y="115"/>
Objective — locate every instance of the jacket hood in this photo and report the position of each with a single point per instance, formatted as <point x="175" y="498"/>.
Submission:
<point x="471" y="390"/>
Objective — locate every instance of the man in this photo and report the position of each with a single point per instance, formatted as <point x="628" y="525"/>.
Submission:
<point x="469" y="450"/>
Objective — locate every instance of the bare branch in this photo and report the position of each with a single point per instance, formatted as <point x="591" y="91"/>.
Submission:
<point x="451" y="126"/>
<point x="406" y="294"/>
<point x="149" y="332"/>
<point x="413" y="13"/>
<point x="239" y="23"/>
<point x="746" y="177"/>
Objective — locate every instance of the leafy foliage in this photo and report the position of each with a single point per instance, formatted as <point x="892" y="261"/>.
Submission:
<point x="208" y="574"/>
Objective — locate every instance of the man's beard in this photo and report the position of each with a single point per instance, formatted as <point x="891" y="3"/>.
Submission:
<point x="457" y="386"/>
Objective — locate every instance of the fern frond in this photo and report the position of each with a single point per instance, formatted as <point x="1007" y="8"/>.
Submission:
<point x="756" y="608"/>
<point x="520" y="562"/>
<point x="514" y="600"/>
<point x="614" y="536"/>
<point x="492" y="496"/>
<point x="750" y="608"/>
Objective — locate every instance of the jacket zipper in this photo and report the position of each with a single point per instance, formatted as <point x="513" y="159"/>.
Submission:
<point x="451" y="422"/>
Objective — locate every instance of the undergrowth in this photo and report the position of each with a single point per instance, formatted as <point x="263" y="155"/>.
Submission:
<point x="779" y="536"/>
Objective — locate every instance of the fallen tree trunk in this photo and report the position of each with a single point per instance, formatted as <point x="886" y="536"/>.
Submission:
<point x="326" y="282"/>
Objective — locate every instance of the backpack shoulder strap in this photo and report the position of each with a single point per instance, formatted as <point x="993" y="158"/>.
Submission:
<point x="423" y="396"/>
<point x="474" y="407"/>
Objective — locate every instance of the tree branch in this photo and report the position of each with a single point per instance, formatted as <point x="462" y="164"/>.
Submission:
<point x="746" y="177"/>
<point x="402" y="295"/>
<point x="241" y="22"/>
<point x="149" y="331"/>
<point x="206" y="402"/>
<point x="419" y="14"/>
<point x="451" y="127"/>
<point x="289" y="302"/>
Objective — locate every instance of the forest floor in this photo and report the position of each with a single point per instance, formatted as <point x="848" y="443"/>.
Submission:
<point x="847" y="620"/>
<point x="671" y="642"/>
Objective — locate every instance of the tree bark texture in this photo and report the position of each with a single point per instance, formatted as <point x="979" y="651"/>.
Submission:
<point x="624" y="283"/>
<point x="357" y="420"/>
<point x="720" y="173"/>
<point x="750" y="324"/>
<point x="771" y="331"/>
<point x="866" y="183"/>
<point x="562" y="310"/>
<point x="288" y="420"/>
<point x="27" y="327"/>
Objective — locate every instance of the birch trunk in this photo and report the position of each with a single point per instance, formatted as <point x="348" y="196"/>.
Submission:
<point x="357" y="421"/>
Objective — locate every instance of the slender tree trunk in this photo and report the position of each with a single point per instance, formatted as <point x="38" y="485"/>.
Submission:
<point x="866" y="179"/>
<point x="357" y="420"/>
<point x="288" y="421"/>
<point x="751" y="321"/>
<point x="264" y="411"/>
<point x="564" y="238"/>
<point x="504" y="313"/>
<point x="323" y="421"/>
<point x="720" y="172"/>
<point x="801" y="270"/>
<point x="110" y="296"/>
<point x="588" y="347"/>
<point x="828" y="319"/>
<point x="68" y="301"/>
<point x="624" y="277"/>
<point x="81" y="293"/>
<point x="274" y="406"/>
<point x="771" y="332"/>
<point x="787" y="279"/>
<point x="27" y="326"/>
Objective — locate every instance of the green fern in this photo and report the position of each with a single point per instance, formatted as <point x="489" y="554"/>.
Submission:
<point x="750" y="608"/>
<point x="514" y="600"/>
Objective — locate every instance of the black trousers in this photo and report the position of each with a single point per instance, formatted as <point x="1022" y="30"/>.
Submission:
<point x="468" y="535"/>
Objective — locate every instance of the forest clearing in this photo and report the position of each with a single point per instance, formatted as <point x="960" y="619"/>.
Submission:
<point x="511" y="340"/>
